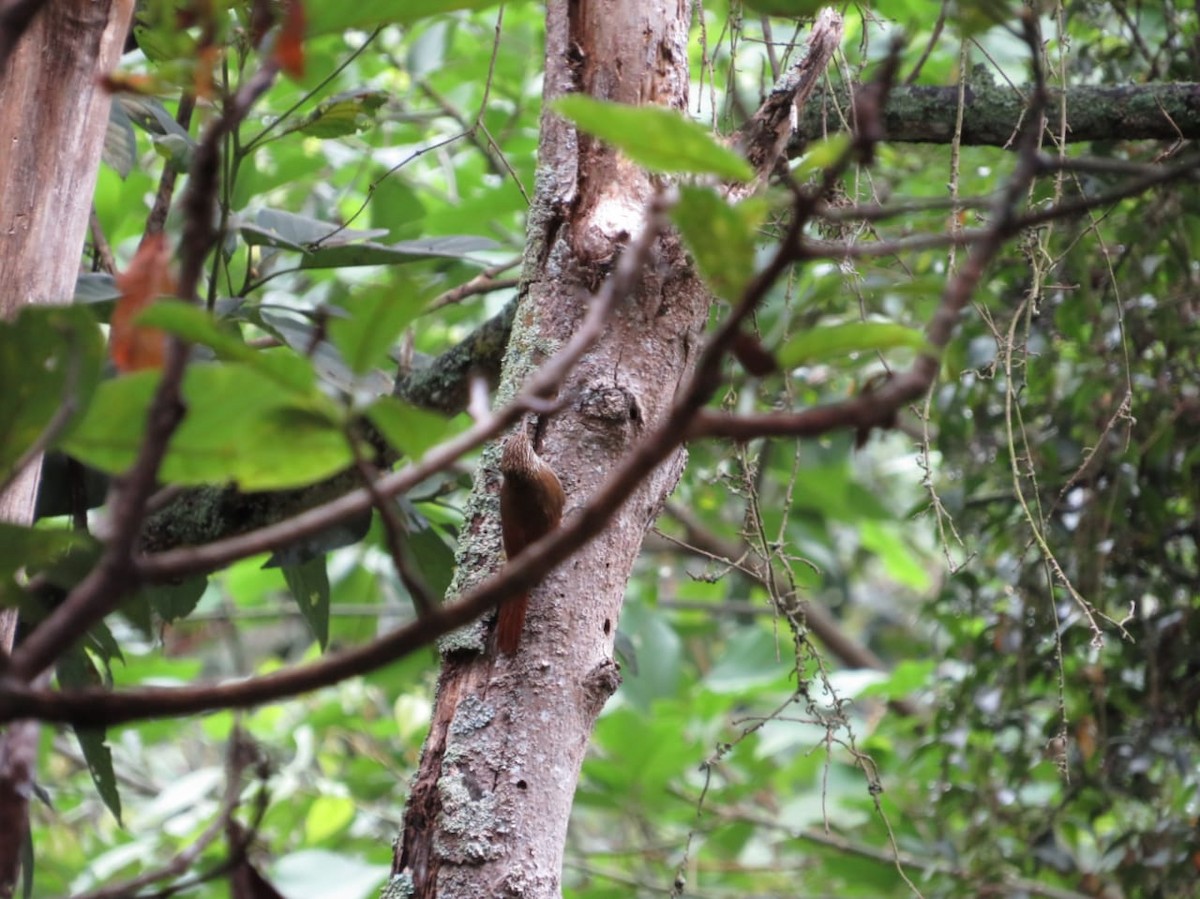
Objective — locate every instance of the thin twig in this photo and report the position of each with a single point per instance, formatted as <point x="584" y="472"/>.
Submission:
<point x="485" y="282"/>
<point x="98" y="706"/>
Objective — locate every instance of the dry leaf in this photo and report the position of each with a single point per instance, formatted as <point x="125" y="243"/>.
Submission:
<point x="148" y="277"/>
<point x="289" y="49"/>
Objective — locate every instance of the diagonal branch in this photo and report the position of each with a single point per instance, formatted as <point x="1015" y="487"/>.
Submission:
<point x="97" y="706"/>
<point x="102" y="707"/>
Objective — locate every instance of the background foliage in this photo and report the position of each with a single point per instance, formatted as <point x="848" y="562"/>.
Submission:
<point x="986" y="550"/>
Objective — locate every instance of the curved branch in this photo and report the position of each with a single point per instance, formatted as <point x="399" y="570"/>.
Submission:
<point x="102" y="707"/>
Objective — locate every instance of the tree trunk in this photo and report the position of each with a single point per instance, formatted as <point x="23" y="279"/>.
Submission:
<point x="53" y="117"/>
<point x="489" y="806"/>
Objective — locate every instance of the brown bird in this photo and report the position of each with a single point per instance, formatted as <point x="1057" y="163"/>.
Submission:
<point x="531" y="506"/>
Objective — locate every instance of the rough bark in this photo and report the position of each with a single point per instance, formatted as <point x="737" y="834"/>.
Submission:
<point x="489" y="807"/>
<point x="53" y="116"/>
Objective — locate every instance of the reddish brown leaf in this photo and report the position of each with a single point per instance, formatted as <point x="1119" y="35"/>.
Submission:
<point x="207" y="58"/>
<point x="289" y="49"/>
<point x="147" y="278"/>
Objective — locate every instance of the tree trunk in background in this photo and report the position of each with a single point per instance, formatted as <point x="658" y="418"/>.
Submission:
<point x="489" y="806"/>
<point x="53" y="116"/>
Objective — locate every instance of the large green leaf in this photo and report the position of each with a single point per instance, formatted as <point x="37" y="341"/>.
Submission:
<point x="50" y="361"/>
<point x="409" y="429"/>
<point x="284" y="366"/>
<point x="239" y="428"/>
<point x="330" y="245"/>
<point x="120" y="143"/>
<point x="377" y="316"/>
<point x="825" y="342"/>
<point x="290" y="231"/>
<point x="326" y="17"/>
<point x="346" y="113"/>
<point x="369" y="252"/>
<point x="425" y="550"/>
<point x="32" y="550"/>
<point x="76" y="669"/>
<point x="659" y="139"/>
<point x="177" y="600"/>
<point x="720" y="236"/>
<point x="309" y="583"/>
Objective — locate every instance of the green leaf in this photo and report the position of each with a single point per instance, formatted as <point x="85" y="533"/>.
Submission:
<point x="826" y="342"/>
<point x="377" y="317"/>
<point x="900" y="561"/>
<point x="75" y="669"/>
<point x="195" y="325"/>
<point x="149" y="114"/>
<point x="345" y="113"/>
<point x="327" y="17"/>
<point x="35" y="548"/>
<point x="821" y="155"/>
<point x="660" y="139"/>
<point x="50" y="362"/>
<point x="347" y="255"/>
<point x="289" y="231"/>
<point x="327" y="817"/>
<point x="344" y="533"/>
<point x="977" y="16"/>
<point x="239" y="428"/>
<point x="104" y="648"/>
<point x="93" y="741"/>
<point x="120" y="143"/>
<point x="330" y="245"/>
<point x="658" y="652"/>
<point x="751" y="659"/>
<point x="792" y="9"/>
<point x="720" y="236"/>
<point x="427" y="550"/>
<point x="314" y="872"/>
<point x="309" y="583"/>
<point x="407" y="428"/>
<point x="95" y="287"/>
<point x="174" y="601"/>
<point x="905" y="679"/>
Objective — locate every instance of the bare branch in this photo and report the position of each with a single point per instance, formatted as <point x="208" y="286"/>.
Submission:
<point x="102" y="707"/>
